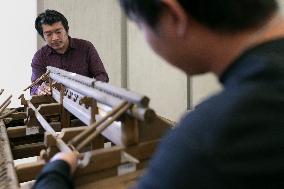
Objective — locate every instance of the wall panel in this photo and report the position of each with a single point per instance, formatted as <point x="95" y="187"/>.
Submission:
<point x="149" y="74"/>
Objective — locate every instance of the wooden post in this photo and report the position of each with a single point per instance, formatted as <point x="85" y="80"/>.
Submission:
<point x="65" y="115"/>
<point x="130" y="132"/>
<point x="94" y="111"/>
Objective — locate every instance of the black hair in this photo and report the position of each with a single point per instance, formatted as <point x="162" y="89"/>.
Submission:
<point x="50" y="17"/>
<point x="223" y="15"/>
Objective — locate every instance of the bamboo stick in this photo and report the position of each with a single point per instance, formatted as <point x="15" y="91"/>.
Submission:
<point x="7" y="114"/>
<point x="7" y="100"/>
<point x="103" y="127"/>
<point x="42" y="77"/>
<point x="5" y="106"/>
<point x="93" y="127"/>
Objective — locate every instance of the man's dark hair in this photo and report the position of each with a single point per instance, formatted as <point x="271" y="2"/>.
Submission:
<point x="220" y="15"/>
<point x="50" y="17"/>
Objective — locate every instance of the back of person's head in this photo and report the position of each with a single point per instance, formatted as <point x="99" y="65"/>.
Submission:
<point x="50" y="17"/>
<point x="220" y="15"/>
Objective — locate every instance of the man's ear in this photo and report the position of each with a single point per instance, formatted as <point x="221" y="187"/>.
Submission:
<point x="179" y="16"/>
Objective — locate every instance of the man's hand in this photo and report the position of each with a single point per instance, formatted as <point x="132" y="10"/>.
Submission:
<point x="69" y="157"/>
<point x="43" y="89"/>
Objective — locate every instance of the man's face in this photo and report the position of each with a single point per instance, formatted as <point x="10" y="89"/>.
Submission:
<point x="163" y="43"/>
<point x="183" y="52"/>
<point x="56" y="36"/>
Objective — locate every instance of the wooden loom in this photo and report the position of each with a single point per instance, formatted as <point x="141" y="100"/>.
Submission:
<point x="113" y="129"/>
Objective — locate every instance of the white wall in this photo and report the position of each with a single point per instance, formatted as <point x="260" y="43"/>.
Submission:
<point x="202" y="87"/>
<point x="148" y="74"/>
<point x="18" y="44"/>
<point x="281" y="5"/>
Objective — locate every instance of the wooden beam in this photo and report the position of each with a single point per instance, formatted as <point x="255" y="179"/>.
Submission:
<point x="65" y="118"/>
<point x="107" y="158"/>
<point x="153" y="130"/>
<point x="44" y="99"/>
<point x="103" y="164"/>
<point x="143" y="151"/>
<point x="6" y="159"/>
<point x="14" y="132"/>
<point x="66" y="135"/>
<point x="27" y="139"/>
<point x="21" y="131"/>
<point x="102" y="159"/>
<point x="49" y="109"/>
<point x="29" y="171"/>
<point x="18" y="115"/>
<point x="27" y="150"/>
<point x="130" y="135"/>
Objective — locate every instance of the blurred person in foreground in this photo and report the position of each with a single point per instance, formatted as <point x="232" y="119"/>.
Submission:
<point x="235" y="138"/>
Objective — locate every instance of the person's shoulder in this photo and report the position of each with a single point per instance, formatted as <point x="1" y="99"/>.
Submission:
<point x="235" y="110"/>
<point x="81" y="43"/>
<point x="42" y="52"/>
<point x="208" y="121"/>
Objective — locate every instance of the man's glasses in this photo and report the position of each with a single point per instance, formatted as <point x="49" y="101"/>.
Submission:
<point x="58" y="32"/>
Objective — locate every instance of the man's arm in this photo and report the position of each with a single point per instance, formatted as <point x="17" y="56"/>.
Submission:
<point x="57" y="173"/>
<point x="96" y="67"/>
<point x="38" y="68"/>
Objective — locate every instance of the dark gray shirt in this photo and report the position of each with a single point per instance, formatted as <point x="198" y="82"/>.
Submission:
<point x="234" y="139"/>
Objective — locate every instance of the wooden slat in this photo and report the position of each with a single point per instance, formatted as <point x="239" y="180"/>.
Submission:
<point x="154" y="130"/>
<point x="18" y="115"/>
<point x="8" y="174"/>
<point x="102" y="159"/>
<point x="66" y="134"/>
<point x="111" y="157"/>
<point x="14" y="132"/>
<point x="28" y="139"/>
<point x="65" y="118"/>
<point x="20" y="131"/>
<point x="27" y="150"/>
<point x="29" y="171"/>
<point x="143" y="151"/>
<point x="41" y="99"/>
<point x="130" y="135"/>
<point x="49" y="109"/>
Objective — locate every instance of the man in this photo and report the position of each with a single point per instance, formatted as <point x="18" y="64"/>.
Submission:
<point x="62" y="51"/>
<point x="235" y="139"/>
